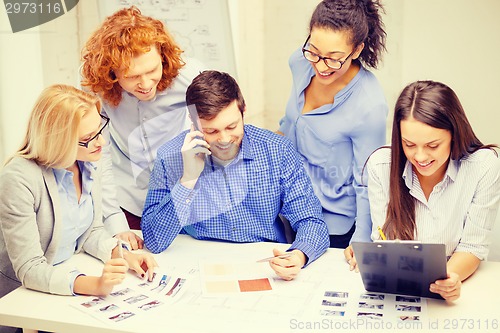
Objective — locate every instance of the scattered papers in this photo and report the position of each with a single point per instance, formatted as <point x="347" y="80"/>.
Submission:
<point x="133" y="298"/>
<point x="371" y="306"/>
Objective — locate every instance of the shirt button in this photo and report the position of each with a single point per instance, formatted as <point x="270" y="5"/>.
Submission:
<point x="188" y="201"/>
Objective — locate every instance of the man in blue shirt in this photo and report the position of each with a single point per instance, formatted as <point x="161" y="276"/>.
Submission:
<point x="231" y="182"/>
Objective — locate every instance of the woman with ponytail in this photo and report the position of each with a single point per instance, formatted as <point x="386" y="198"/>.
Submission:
<point x="336" y="113"/>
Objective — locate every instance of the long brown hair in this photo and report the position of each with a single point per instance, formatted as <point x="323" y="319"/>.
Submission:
<point x="434" y="104"/>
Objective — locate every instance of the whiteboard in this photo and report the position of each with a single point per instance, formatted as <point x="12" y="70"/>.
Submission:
<point x="202" y="28"/>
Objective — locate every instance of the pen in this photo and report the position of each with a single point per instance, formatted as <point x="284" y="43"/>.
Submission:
<point x="382" y="235"/>
<point x="281" y="256"/>
<point x="120" y="248"/>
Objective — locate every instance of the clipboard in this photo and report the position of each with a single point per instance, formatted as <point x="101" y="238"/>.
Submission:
<point x="400" y="267"/>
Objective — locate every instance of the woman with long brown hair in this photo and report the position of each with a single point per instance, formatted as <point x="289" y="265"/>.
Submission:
<point x="437" y="182"/>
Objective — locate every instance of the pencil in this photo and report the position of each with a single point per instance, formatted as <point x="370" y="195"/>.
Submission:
<point x="281" y="256"/>
<point x="382" y="235"/>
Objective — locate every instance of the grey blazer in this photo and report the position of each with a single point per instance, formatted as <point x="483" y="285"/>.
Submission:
<point x="30" y="222"/>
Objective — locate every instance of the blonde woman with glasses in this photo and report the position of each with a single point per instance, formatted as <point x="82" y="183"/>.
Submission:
<point x="50" y="202"/>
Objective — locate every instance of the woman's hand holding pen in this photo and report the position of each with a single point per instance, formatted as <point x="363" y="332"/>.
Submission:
<point x="113" y="273"/>
<point x="193" y="152"/>
<point x="141" y="263"/>
<point x="350" y="258"/>
<point x="288" y="267"/>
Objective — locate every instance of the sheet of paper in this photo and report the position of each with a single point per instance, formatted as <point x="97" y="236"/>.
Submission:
<point x="342" y="304"/>
<point x="229" y="278"/>
<point x="133" y="298"/>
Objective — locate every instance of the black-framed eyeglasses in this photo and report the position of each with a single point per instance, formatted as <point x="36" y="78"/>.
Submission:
<point x="329" y="62"/>
<point x="105" y="122"/>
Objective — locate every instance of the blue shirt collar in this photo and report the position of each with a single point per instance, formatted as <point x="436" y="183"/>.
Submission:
<point x="340" y="96"/>
<point x="87" y="168"/>
<point x="246" y="150"/>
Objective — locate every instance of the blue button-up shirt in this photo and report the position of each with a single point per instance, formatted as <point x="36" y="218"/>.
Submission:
<point x="239" y="202"/>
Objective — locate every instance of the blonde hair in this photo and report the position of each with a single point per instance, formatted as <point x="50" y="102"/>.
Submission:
<point x="52" y="135"/>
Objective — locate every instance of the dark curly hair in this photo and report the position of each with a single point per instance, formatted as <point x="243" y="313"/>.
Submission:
<point x="361" y="18"/>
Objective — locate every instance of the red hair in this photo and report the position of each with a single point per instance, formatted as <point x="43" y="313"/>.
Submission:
<point x="121" y="37"/>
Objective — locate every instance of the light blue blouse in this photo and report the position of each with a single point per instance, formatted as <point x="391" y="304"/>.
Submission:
<point x="335" y="141"/>
<point x="77" y="216"/>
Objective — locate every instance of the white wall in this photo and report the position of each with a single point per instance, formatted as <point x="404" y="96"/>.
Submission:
<point x="451" y="41"/>
<point x="286" y="28"/>
<point x="248" y="32"/>
<point x="20" y="81"/>
<point x="458" y="44"/>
